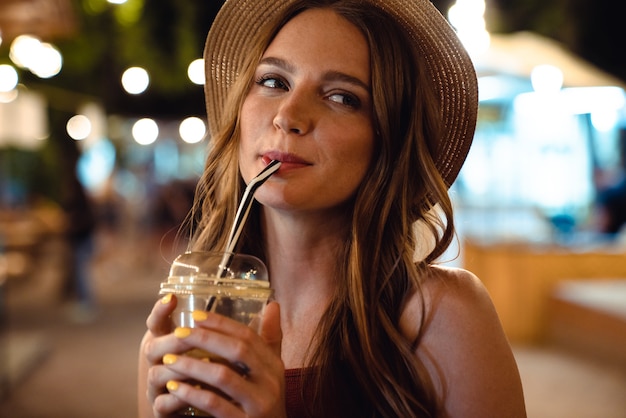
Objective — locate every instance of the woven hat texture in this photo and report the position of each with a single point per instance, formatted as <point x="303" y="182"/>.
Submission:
<point x="450" y="67"/>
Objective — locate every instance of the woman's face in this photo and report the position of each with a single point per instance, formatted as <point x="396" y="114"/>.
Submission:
<point x="310" y="107"/>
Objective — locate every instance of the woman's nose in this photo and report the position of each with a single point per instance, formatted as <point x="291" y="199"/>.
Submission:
<point x="294" y="114"/>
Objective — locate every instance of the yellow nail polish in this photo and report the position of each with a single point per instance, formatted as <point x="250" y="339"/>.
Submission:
<point x="199" y="315"/>
<point x="170" y="358"/>
<point x="182" y="332"/>
<point x="166" y="299"/>
<point x="172" y="385"/>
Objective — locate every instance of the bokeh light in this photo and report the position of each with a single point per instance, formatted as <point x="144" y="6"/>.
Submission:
<point x="48" y="62"/>
<point x="192" y="130"/>
<point x="195" y="71"/>
<point x="96" y="164"/>
<point x="468" y="18"/>
<point x="8" y="78"/>
<point x="78" y="127"/>
<point x="546" y="78"/>
<point x="24" y="50"/>
<point x="42" y="59"/>
<point x="8" y="96"/>
<point x="135" y="80"/>
<point x="145" y="131"/>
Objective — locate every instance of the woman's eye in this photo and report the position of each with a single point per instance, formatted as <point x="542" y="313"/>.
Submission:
<point x="271" y="82"/>
<point x="349" y="100"/>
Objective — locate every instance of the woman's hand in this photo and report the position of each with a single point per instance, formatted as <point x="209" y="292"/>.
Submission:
<point x="151" y="381"/>
<point x="254" y="387"/>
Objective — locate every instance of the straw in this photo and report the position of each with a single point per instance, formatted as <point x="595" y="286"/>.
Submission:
<point x="243" y="211"/>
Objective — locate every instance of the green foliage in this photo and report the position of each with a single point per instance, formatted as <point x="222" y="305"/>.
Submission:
<point x="160" y="35"/>
<point x="23" y="174"/>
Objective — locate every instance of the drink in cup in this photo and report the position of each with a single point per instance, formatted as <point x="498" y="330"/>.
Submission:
<point x="233" y="285"/>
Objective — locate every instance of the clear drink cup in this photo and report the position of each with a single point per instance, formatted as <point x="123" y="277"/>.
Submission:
<point x="235" y="285"/>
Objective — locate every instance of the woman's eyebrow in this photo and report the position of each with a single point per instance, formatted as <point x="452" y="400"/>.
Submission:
<point x="278" y="62"/>
<point x="328" y="76"/>
<point x="346" y="78"/>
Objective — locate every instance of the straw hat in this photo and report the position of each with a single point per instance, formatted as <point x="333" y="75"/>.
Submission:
<point x="449" y="65"/>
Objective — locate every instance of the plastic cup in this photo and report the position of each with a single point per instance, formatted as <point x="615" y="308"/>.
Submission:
<point x="200" y="281"/>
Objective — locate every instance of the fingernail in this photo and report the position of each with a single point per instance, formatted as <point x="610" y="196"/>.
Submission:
<point x="199" y="315"/>
<point x="166" y="299"/>
<point x="172" y="385"/>
<point x="170" y="358"/>
<point x="182" y="332"/>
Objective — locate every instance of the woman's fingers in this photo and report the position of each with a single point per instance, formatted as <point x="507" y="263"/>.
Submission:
<point x="159" y="322"/>
<point x="244" y="368"/>
<point x="244" y="373"/>
<point x="203" y="384"/>
<point x="157" y="378"/>
<point x="154" y="348"/>
<point x="167" y="404"/>
<point x="216" y="389"/>
<point x="208" y="401"/>
<point x="213" y="373"/>
<point x="232" y="341"/>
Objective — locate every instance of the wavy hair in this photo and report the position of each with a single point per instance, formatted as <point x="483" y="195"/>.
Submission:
<point x="358" y="349"/>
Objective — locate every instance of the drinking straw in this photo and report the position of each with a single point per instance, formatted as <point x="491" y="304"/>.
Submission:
<point x="243" y="211"/>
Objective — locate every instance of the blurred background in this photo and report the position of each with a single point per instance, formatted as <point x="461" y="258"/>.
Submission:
<point x="102" y="138"/>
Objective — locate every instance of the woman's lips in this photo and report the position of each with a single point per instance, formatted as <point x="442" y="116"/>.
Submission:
<point x="289" y="161"/>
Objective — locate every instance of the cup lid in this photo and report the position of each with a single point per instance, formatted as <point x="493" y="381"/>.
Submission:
<point x="209" y="266"/>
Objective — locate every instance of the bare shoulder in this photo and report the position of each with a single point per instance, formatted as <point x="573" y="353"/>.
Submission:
<point x="451" y="294"/>
<point x="464" y="347"/>
<point x="448" y="287"/>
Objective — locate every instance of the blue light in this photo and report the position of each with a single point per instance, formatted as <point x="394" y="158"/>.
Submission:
<point x="96" y="164"/>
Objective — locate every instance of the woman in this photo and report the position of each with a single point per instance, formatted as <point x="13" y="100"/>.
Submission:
<point x="370" y="106"/>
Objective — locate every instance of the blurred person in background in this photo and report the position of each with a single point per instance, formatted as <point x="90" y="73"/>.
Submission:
<point x="80" y="226"/>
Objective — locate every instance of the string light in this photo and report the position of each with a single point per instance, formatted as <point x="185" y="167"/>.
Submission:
<point x="195" y="71"/>
<point x="8" y="78"/>
<point x="145" y="131"/>
<point x="135" y="80"/>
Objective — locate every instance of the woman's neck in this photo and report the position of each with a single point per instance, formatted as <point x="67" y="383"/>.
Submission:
<point x="302" y="255"/>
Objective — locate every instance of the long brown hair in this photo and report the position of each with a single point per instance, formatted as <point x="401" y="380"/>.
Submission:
<point x="359" y="350"/>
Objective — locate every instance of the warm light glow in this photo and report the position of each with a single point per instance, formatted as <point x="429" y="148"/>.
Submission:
<point x="42" y="59"/>
<point x="192" y="130"/>
<point x="546" y="78"/>
<point x="48" y="62"/>
<point x="195" y="71"/>
<point x="78" y="127"/>
<point x="117" y="1"/>
<point x="8" y="78"/>
<point x="467" y="17"/>
<point x="24" y="121"/>
<point x="8" y="96"/>
<point x="24" y="50"/>
<point x="145" y="131"/>
<point x="135" y="80"/>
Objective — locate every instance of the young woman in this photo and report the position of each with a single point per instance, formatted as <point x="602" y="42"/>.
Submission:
<point x="371" y="107"/>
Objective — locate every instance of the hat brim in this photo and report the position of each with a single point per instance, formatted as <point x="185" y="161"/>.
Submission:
<point x="450" y="67"/>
